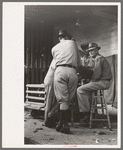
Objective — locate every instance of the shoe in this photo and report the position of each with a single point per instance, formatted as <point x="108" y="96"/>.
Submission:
<point x="65" y="130"/>
<point x="50" y="122"/>
<point x="58" y="127"/>
<point x="81" y="115"/>
<point x="86" y="118"/>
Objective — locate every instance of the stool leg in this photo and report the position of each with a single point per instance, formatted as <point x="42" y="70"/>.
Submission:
<point x="102" y="106"/>
<point x="91" y="113"/>
<point x="95" y="105"/>
<point x="102" y="101"/>
<point x="107" y="114"/>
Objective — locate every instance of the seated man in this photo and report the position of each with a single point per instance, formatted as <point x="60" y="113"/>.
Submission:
<point x="100" y="80"/>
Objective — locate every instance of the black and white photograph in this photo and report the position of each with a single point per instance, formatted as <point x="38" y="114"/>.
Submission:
<point x="61" y="75"/>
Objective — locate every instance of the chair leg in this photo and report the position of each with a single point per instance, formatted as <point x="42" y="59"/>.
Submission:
<point x="95" y="109"/>
<point x="102" y="106"/>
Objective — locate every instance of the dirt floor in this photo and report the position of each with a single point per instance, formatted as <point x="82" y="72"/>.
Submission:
<point x="80" y="134"/>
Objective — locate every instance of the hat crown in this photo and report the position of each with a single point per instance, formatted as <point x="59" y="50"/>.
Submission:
<point x="92" y="45"/>
<point x="63" y="32"/>
<point x="84" y="46"/>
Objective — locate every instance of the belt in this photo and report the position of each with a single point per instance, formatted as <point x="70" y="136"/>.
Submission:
<point x="66" y="65"/>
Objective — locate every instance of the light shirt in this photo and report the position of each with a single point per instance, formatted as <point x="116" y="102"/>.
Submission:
<point x="50" y="74"/>
<point x="66" y="52"/>
<point x="86" y="60"/>
<point x="53" y="64"/>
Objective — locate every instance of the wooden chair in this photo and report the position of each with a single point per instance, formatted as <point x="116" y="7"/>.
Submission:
<point x="96" y="96"/>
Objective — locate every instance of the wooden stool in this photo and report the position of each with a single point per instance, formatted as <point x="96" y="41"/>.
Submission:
<point x="98" y="95"/>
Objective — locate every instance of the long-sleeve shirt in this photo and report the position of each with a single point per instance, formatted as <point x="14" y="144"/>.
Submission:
<point x="50" y="74"/>
<point x="85" y="70"/>
<point x="53" y="64"/>
<point x="66" y="52"/>
<point x="102" y="69"/>
<point x="84" y="58"/>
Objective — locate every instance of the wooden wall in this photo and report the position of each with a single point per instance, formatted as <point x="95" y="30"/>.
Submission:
<point x="101" y="30"/>
<point x="38" y="44"/>
<point x="40" y="38"/>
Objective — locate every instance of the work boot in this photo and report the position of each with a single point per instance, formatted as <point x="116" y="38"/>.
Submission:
<point x="65" y="129"/>
<point x="86" y="118"/>
<point x="50" y="122"/>
<point x="60" y="123"/>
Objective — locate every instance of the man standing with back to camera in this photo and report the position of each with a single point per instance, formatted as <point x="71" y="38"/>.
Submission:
<point x="67" y="61"/>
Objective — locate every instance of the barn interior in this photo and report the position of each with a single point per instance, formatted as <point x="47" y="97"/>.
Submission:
<point x="86" y="23"/>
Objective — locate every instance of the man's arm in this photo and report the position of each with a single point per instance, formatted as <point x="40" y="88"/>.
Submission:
<point x="78" y="59"/>
<point x="97" y="71"/>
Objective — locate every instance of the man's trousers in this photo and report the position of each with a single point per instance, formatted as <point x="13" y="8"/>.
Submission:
<point x="84" y="93"/>
<point x="65" y="85"/>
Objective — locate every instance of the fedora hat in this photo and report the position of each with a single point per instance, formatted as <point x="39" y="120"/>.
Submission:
<point x="63" y="32"/>
<point x="84" y="47"/>
<point x="92" y="46"/>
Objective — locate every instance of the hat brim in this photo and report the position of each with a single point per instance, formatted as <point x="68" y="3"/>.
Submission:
<point x="83" y="51"/>
<point x="60" y="35"/>
<point x="64" y="35"/>
<point x="93" y="48"/>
